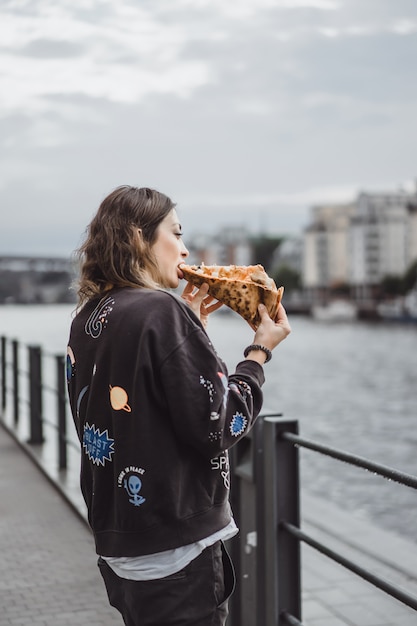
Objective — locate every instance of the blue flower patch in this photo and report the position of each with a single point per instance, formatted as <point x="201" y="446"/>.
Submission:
<point x="238" y="424"/>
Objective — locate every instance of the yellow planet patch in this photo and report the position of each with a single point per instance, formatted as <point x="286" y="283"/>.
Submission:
<point x="119" y="399"/>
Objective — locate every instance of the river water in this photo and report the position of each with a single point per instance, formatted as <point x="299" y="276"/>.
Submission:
<point x="351" y="385"/>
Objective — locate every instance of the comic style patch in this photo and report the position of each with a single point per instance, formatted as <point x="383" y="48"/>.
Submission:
<point x="98" y="446"/>
<point x="131" y="480"/>
<point x="98" y="318"/>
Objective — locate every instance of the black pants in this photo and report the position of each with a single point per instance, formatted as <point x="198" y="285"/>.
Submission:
<point x="195" y="596"/>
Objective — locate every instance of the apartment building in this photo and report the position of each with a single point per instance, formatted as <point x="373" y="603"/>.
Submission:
<point x="326" y="246"/>
<point x="411" y="235"/>
<point x="379" y="244"/>
<point x="360" y="243"/>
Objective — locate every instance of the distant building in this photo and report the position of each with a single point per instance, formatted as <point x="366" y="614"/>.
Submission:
<point x="289" y="254"/>
<point x="379" y="243"/>
<point x="27" y="280"/>
<point x="411" y="236"/>
<point x="326" y="250"/>
<point x="231" y="246"/>
<point x="358" y="244"/>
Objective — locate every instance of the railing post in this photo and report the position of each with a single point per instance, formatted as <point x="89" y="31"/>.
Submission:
<point x="3" y="373"/>
<point x="15" y="346"/>
<point x="35" y="395"/>
<point x="243" y="605"/>
<point x="61" y="411"/>
<point x="279" y="551"/>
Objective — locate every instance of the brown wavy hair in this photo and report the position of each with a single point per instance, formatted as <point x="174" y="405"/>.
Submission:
<point x="117" y="251"/>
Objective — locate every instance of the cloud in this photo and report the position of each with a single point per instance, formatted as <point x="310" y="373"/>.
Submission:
<point x="124" y="56"/>
<point x="125" y="52"/>
<point x="50" y="48"/>
<point x="248" y="8"/>
<point x="305" y="197"/>
<point x="248" y="110"/>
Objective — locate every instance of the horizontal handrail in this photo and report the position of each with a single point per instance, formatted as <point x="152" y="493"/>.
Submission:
<point x="393" y="590"/>
<point x="377" y="468"/>
<point x="295" y="531"/>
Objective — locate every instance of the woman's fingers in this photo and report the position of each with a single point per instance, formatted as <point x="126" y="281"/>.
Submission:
<point x="188" y="290"/>
<point x="200" y="295"/>
<point x="200" y="301"/>
<point x="213" y="307"/>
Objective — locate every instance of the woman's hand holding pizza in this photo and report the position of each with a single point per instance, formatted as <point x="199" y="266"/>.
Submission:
<point x="269" y="333"/>
<point x="200" y="302"/>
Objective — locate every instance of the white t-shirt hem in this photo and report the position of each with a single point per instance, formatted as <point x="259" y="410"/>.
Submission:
<point x="162" y="564"/>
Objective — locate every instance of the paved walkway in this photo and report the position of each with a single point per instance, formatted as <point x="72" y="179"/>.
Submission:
<point x="332" y="595"/>
<point x="49" y="575"/>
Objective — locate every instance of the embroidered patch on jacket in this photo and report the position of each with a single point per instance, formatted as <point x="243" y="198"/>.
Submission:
<point x="119" y="399"/>
<point x="98" y="318"/>
<point x="238" y="424"/>
<point x="215" y="435"/>
<point x="80" y="397"/>
<point x="98" y="446"/>
<point x="243" y="389"/>
<point x="129" y="479"/>
<point x="221" y="464"/>
<point x="207" y="384"/>
<point x="70" y="365"/>
<point x="246" y="390"/>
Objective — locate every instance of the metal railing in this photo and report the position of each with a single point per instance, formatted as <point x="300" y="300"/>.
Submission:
<point x="28" y="387"/>
<point x="266" y="502"/>
<point x="265" y="494"/>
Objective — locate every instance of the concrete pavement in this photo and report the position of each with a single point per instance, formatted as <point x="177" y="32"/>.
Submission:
<point x="48" y="574"/>
<point x="332" y="595"/>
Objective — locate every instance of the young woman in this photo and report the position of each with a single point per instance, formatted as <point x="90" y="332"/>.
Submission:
<point x="156" y="411"/>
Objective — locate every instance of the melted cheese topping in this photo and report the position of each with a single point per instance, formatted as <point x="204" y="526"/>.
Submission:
<point x="250" y="273"/>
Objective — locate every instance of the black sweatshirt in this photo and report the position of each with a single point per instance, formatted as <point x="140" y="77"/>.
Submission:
<point x="155" y="412"/>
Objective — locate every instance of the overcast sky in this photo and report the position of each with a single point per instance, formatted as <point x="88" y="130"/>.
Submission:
<point x="244" y="112"/>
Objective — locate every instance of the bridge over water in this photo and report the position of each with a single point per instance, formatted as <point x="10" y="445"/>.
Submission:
<point x="35" y="279"/>
<point x="35" y="264"/>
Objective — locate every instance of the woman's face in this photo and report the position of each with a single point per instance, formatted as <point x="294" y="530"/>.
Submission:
<point x="169" y="250"/>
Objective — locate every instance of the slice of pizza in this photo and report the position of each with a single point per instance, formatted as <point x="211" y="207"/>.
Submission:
<point x="240" y="287"/>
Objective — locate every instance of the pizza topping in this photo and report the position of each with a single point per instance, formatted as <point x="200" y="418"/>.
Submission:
<point x="262" y="278"/>
<point x="255" y="273"/>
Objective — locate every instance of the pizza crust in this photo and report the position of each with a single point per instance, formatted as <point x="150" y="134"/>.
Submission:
<point x="240" y="287"/>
